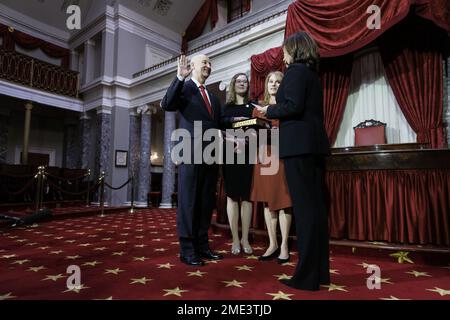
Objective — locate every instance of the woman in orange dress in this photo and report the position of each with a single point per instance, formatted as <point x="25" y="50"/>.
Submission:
<point x="272" y="190"/>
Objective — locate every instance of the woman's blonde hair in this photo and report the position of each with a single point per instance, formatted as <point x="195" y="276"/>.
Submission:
<point x="231" y="98"/>
<point x="279" y="75"/>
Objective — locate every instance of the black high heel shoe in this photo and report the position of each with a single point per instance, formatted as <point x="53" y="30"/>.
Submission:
<point x="281" y="261"/>
<point x="270" y="256"/>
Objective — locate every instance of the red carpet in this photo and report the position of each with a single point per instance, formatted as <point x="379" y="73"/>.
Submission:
<point x="134" y="256"/>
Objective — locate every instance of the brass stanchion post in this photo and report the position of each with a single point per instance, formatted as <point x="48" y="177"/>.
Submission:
<point x="88" y="186"/>
<point x="37" y="199"/>
<point x="132" y="194"/>
<point x="102" y="194"/>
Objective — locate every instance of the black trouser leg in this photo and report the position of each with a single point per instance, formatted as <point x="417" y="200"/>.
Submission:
<point x="304" y="176"/>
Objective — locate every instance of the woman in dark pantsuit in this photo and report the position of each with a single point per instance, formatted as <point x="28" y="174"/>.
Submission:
<point x="303" y="146"/>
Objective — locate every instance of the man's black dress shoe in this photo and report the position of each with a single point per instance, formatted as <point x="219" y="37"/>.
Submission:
<point x="192" y="261"/>
<point x="211" y="255"/>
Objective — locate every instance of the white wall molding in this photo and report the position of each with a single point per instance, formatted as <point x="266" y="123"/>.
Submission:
<point x="33" y="27"/>
<point x="237" y="24"/>
<point x="50" y="152"/>
<point x="47" y="98"/>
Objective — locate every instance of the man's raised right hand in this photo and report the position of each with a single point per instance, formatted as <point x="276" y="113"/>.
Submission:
<point x="184" y="68"/>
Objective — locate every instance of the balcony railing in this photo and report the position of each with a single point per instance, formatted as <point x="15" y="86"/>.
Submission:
<point x="31" y="72"/>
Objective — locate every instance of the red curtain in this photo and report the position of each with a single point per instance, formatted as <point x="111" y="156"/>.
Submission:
<point x="340" y="26"/>
<point x="335" y="74"/>
<point x="10" y="39"/>
<point x="262" y="65"/>
<point x="414" y="68"/>
<point x="398" y="206"/>
<point x="197" y="25"/>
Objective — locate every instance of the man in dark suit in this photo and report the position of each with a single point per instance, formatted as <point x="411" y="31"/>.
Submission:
<point x="196" y="181"/>
<point x="303" y="146"/>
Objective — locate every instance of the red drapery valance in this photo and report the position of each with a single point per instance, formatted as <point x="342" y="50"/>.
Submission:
<point x="197" y="25"/>
<point x="340" y="26"/>
<point x="12" y="37"/>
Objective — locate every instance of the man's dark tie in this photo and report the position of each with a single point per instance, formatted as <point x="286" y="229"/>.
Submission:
<point x="205" y="98"/>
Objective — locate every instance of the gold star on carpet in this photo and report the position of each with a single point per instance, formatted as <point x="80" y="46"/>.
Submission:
<point x="160" y="250"/>
<point x="44" y="248"/>
<point x="157" y="239"/>
<point x="176" y="292"/>
<point x="99" y="229"/>
<point x="282" y="276"/>
<point x="58" y="238"/>
<point x="143" y="280"/>
<point x="32" y="244"/>
<point x="234" y="283"/>
<point x="21" y="240"/>
<point x="393" y="298"/>
<point x="252" y="257"/>
<point x="165" y="266"/>
<point x="442" y="292"/>
<point x="383" y="280"/>
<point x="81" y="233"/>
<point x="7" y="296"/>
<point x="53" y="278"/>
<point x="91" y="263"/>
<point x="334" y="271"/>
<point x="8" y="256"/>
<point x="73" y="257"/>
<point x="140" y="245"/>
<point x="119" y="253"/>
<point x="280" y="295"/>
<point x="85" y="245"/>
<point x="70" y="241"/>
<point x="334" y="287"/>
<point x="418" y="274"/>
<point x="291" y="264"/>
<point x="140" y="258"/>
<point x="100" y="249"/>
<point x="76" y="289"/>
<point x="56" y="252"/>
<point x="244" y="268"/>
<point x="223" y="251"/>
<point x="257" y="248"/>
<point x="122" y="242"/>
<point x="21" y="262"/>
<point x="139" y="237"/>
<point x="401" y="256"/>
<point x="367" y="265"/>
<point x="106" y="239"/>
<point x="175" y="242"/>
<point x="212" y="261"/>
<point x="109" y="298"/>
<point x="36" y="269"/>
<point x="114" y="271"/>
<point x="197" y="273"/>
<point x="447" y="267"/>
<point x="124" y="234"/>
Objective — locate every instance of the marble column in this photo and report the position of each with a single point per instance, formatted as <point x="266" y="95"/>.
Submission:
<point x="88" y="60"/>
<point x="74" y="60"/>
<point x="85" y="129"/>
<point x="144" y="179"/>
<point x="26" y="131"/>
<point x="103" y="147"/>
<point x="4" y="126"/>
<point x="133" y="150"/>
<point x="71" y="146"/>
<point x="168" y="179"/>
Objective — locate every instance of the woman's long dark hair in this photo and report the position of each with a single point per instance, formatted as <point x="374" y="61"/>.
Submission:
<point x="303" y="49"/>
